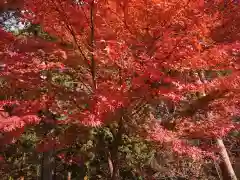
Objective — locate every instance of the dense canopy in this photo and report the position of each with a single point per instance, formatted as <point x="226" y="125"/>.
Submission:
<point x="164" y="71"/>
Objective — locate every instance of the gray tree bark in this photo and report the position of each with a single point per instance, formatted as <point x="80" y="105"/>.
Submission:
<point x="226" y="159"/>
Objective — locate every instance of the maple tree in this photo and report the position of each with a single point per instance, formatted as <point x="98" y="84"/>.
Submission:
<point x="110" y="60"/>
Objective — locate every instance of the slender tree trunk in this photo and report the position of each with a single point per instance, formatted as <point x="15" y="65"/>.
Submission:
<point x="93" y="64"/>
<point x="38" y="171"/>
<point x="114" y="150"/>
<point x="47" y="166"/>
<point x="69" y="175"/>
<point x="110" y="164"/>
<point x="226" y="160"/>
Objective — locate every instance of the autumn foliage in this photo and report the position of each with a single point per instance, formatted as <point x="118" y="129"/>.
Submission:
<point x="119" y="58"/>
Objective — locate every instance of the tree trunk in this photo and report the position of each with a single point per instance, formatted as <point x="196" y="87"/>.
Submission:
<point x="69" y="175"/>
<point x="114" y="149"/>
<point x="110" y="164"/>
<point x="47" y="160"/>
<point x="226" y="160"/>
